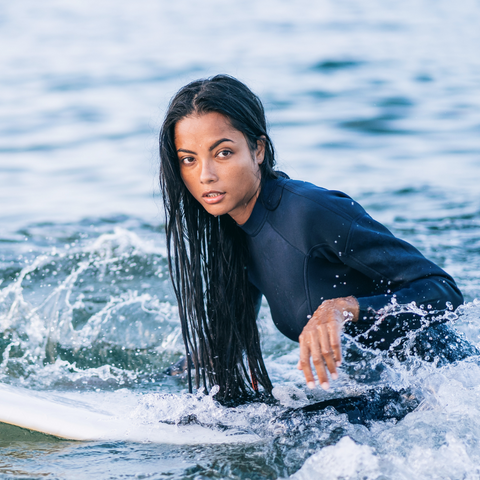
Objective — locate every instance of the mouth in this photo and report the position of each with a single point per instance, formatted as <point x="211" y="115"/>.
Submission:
<point x="213" y="197"/>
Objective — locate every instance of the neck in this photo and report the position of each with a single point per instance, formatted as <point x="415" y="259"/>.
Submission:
<point x="242" y="214"/>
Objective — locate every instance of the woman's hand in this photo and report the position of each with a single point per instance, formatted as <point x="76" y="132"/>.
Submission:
<point x="320" y="339"/>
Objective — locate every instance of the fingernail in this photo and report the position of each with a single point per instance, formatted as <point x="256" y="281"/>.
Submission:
<point x="339" y="363"/>
<point x="325" y="385"/>
<point x="311" y="385"/>
<point x="335" y="375"/>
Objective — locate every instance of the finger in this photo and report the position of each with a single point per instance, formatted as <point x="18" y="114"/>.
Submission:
<point x="326" y="349"/>
<point x="319" y="364"/>
<point x="304" y="364"/>
<point x="334" y="332"/>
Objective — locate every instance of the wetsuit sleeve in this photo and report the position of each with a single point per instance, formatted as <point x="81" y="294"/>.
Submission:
<point x="397" y="268"/>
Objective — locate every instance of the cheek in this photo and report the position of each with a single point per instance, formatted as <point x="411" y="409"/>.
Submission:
<point x="187" y="182"/>
<point x="250" y="171"/>
<point x="186" y="176"/>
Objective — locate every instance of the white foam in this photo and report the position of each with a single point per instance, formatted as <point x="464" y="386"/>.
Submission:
<point x="346" y="460"/>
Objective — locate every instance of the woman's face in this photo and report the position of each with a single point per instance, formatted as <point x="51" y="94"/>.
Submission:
<point x="217" y="166"/>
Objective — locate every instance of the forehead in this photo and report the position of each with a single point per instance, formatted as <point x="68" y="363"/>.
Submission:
<point x="204" y="127"/>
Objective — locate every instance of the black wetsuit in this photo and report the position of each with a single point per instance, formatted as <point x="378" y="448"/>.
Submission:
<point x="308" y="244"/>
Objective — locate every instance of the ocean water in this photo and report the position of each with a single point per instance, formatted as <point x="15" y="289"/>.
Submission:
<point x="379" y="99"/>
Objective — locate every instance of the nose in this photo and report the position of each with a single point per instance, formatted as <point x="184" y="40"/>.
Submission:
<point x="208" y="173"/>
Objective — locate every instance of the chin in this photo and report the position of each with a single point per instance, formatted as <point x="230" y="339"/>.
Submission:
<point x="216" y="212"/>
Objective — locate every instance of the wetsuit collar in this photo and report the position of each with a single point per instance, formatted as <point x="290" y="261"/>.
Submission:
<point x="267" y="200"/>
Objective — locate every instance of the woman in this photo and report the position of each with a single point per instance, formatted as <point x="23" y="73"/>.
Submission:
<point x="237" y="229"/>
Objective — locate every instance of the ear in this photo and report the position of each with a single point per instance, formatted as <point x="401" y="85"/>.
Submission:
<point x="260" y="151"/>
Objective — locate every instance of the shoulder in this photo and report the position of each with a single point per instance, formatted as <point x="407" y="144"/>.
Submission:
<point x="312" y="199"/>
<point x="307" y="215"/>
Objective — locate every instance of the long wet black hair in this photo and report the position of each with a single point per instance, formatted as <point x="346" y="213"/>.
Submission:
<point x="208" y="255"/>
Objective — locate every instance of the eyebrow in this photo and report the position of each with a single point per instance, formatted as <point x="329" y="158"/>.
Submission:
<point x="216" y="144"/>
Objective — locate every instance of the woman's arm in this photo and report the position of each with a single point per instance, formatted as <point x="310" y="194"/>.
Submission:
<point x="401" y="273"/>
<point x="399" y="270"/>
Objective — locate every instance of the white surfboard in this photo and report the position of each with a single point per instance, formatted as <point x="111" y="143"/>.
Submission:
<point x="72" y="420"/>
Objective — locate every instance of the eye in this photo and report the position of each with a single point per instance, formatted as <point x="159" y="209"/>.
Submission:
<point x="187" y="160"/>
<point x="224" y="153"/>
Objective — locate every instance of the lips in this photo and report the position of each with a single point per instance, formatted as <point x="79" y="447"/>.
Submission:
<point x="213" y="197"/>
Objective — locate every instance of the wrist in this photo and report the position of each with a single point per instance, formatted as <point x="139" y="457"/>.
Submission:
<point x="352" y="306"/>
